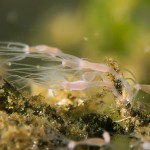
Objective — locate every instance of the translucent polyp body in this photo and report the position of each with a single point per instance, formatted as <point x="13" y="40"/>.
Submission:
<point x="45" y="49"/>
<point x="13" y="51"/>
<point x="51" y="68"/>
<point x="98" y="142"/>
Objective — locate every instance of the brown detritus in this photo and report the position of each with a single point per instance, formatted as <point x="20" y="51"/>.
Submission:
<point x="34" y="124"/>
<point x="111" y="62"/>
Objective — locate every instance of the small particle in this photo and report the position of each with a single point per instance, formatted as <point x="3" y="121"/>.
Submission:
<point x="12" y="16"/>
<point x="106" y="137"/>
<point x="9" y="64"/>
<point x="1" y="91"/>
<point x="146" y="146"/>
<point x="80" y="102"/>
<point x="85" y="38"/>
<point x="50" y="92"/>
<point x="38" y="67"/>
<point x="147" y="49"/>
<point x="64" y="102"/>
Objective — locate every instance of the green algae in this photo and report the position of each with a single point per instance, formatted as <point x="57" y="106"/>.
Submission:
<point x="28" y="122"/>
